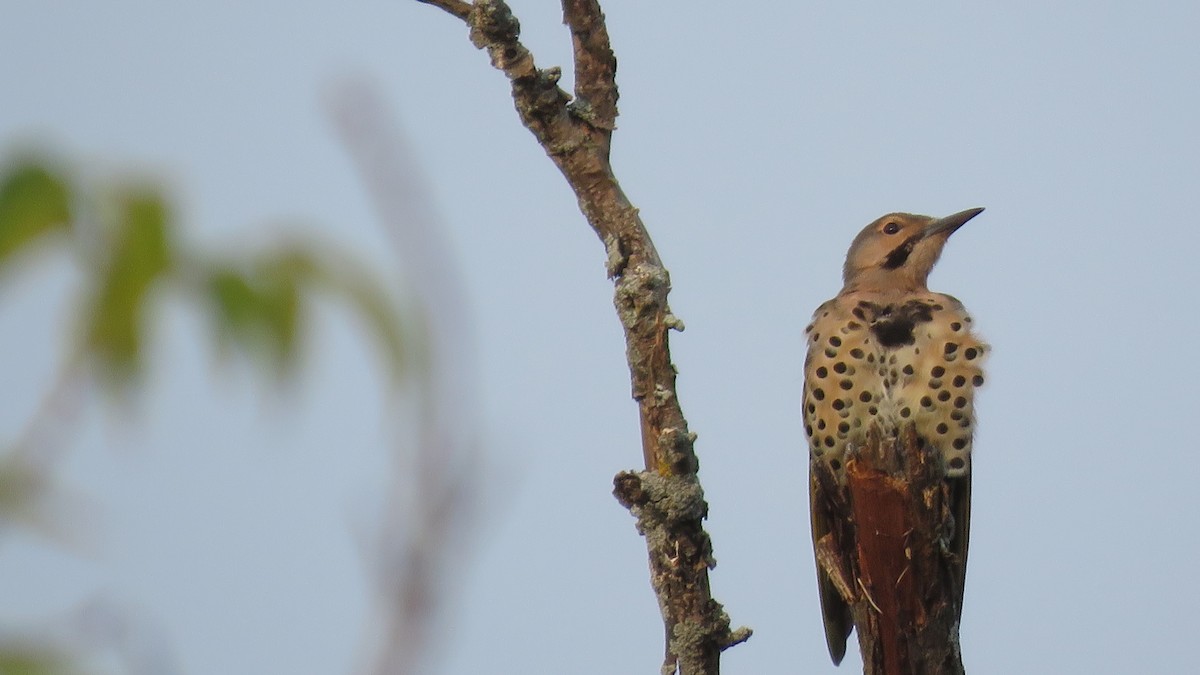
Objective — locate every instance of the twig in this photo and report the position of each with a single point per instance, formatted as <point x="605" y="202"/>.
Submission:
<point x="42" y="442"/>
<point x="667" y="498"/>
<point x="867" y="595"/>
<point x="595" y="64"/>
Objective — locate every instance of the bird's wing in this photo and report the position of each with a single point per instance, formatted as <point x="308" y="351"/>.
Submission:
<point x="834" y="611"/>
<point x="960" y="507"/>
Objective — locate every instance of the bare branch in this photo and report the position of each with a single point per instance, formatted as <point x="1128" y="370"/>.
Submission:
<point x="580" y="150"/>
<point x="666" y="499"/>
<point x="595" y="64"/>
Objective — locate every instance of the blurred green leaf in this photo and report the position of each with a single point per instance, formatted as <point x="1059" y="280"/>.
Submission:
<point x="375" y="307"/>
<point x="281" y="277"/>
<point x="19" y="485"/>
<point x="343" y="276"/>
<point x="32" y="661"/>
<point x="33" y="202"/>
<point x="236" y="301"/>
<point x="139" y="254"/>
<point x="261" y="309"/>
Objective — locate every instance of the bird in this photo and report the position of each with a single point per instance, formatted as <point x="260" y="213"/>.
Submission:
<point x="887" y="353"/>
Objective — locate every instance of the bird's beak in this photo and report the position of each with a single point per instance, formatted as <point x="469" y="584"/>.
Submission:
<point x="951" y="223"/>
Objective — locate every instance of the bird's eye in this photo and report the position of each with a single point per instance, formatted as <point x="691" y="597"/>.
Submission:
<point x="891" y="228"/>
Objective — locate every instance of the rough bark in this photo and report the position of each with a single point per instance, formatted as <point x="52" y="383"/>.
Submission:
<point x="902" y="580"/>
<point x="576" y="133"/>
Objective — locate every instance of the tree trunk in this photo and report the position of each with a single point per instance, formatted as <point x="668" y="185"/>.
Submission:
<point x="894" y="560"/>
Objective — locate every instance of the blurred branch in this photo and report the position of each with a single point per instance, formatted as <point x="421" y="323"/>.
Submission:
<point x="30" y="494"/>
<point x="42" y="440"/>
<point x="99" y="630"/>
<point x="35" y="205"/>
<point x="425" y="527"/>
<point x="257" y="303"/>
<point x="667" y="498"/>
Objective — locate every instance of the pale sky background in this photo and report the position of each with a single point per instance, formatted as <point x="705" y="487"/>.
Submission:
<point x="756" y="140"/>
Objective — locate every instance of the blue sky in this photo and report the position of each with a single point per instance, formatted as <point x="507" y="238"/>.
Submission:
<point x="756" y="143"/>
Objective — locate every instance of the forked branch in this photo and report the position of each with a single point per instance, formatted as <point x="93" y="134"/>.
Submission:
<point x="576" y="132"/>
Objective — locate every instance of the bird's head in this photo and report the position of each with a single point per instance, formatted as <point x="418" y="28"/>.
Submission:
<point x="898" y="251"/>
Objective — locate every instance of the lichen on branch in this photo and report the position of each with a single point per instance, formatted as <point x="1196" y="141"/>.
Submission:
<point x="576" y="133"/>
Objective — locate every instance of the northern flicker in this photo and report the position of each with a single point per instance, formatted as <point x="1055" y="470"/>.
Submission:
<point x="887" y="352"/>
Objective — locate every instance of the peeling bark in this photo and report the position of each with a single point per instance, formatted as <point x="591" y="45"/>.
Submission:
<point x="892" y="558"/>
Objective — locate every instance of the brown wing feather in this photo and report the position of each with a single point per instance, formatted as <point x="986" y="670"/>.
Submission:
<point x="834" y="611"/>
<point x="960" y="505"/>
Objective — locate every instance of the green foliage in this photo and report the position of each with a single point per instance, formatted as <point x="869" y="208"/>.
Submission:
<point x="18" y="486"/>
<point x="30" y="661"/>
<point x="260" y="309"/>
<point x="345" y="279"/>
<point x="138" y="255"/>
<point x="258" y="305"/>
<point x="33" y="202"/>
<point x="374" y="306"/>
